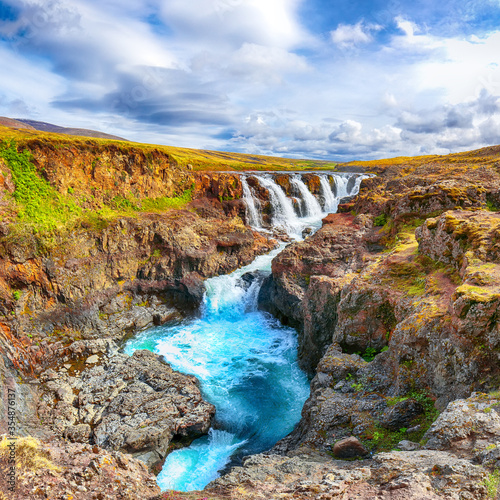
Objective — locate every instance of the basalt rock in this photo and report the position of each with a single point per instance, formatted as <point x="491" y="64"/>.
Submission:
<point x="467" y="427"/>
<point x="422" y="314"/>
<point x="109" y="283"/>
<point x="98" y="172"/>
<point x="134" y="404"/>
<point x="79" y="471"/>
<point x="308" y="273"/>
<point x="402" y="414"/>
<point x="411" y="475"/>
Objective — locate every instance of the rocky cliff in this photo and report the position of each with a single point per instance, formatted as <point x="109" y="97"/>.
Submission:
<point x="396" y="308"/>
<point x="114" y="259"/>
<point x="395" y="300"/>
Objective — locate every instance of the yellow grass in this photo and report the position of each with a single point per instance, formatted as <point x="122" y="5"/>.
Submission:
<point x="28" y="454"/>
<point x="199" y="159"/>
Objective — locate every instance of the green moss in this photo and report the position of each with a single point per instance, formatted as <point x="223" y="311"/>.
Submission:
<point x="380" y="220"/>
<point x="477" y="294"/>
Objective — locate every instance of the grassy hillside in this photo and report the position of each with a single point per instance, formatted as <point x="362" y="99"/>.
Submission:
<point x="200" y="160"/>
<point x="488" y="157"/>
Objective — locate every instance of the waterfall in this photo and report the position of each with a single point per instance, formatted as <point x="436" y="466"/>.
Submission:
<point x="246" y="362"/>
<point x="330" y="201"/>
<point x="341" y="182"/>
<point x="357" y="185"/>
<point x="283" y="213"/>
<point x="312" y="207"/>
<point x="252" y="204"/>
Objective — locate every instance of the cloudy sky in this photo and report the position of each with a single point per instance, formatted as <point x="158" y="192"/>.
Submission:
<point x="333" y="79"/>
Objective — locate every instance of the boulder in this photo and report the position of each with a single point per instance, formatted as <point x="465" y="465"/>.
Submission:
<point x="350" y="447"/>
<point x="401" y="414"/>
<point x="466" y="425"/>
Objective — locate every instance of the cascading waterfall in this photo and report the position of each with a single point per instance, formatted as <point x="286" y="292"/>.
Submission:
<point x="341" y="183"/>
<point x="312" y="207"/>
<point x="246" y="362"/>
<point x="357" y="184"/>
<point x="283" y="213"/>
<point x="283" y="216"/>
<point x="330" y="201"/>
<point x="252" y="204"/>
<point x="245" y="359"/>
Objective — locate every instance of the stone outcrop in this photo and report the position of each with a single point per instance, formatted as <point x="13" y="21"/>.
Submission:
<point x="469" y="427"/>
<point x="396" y="309"/>
<point x="398" y="333"/>
<point x="134" y="404"/>
<point x="413" y="475"/>
<point x="73" y="470"/>
<point x="306" y="278"/>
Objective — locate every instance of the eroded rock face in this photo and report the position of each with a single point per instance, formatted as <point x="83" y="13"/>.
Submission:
<point x="423" y="325"/>
<point x="467" y="427"/>
<point x="336" y="251"/>
<point x="106" y="284"/>
<point x="134" y="404"/>
<point x="413" y="475"/>
<point x="427" y="189"/>
<point x="84" y="472"/>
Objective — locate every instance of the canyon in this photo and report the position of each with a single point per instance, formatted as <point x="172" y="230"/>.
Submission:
<point x="394" y="299"/>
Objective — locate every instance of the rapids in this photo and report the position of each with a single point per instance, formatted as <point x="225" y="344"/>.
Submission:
<point x="245" y="359"/>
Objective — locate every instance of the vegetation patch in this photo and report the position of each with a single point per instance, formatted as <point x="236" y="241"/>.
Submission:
<point x="39" y="204"/>
<point x="28" y="454"/>
<point x="492" y="482"/>
<point x="380" y="220"/>
<point x="381" y="439"/>
<point x="49" y="215"/>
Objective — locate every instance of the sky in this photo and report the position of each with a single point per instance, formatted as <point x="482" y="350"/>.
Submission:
<point x="337" y="80"/>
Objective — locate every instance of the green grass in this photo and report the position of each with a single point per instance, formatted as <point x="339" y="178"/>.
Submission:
<point x="492" y="482"/>
<point x="43" y="211"/>
<point x="39" y="204"/>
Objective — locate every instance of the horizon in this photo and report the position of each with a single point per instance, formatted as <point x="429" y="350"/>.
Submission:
<point x="286" y="78"/>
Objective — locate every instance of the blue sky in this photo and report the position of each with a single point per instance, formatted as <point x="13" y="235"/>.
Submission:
<point x="302" y="78"/>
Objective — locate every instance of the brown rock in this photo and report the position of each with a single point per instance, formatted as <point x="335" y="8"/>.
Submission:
<point x="349" y="448"/>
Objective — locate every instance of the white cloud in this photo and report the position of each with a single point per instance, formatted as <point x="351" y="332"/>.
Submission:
<point x="259" y="62"/>
<point x="234" y="22"/>
<point x="350" y="35"/>
<point x="194" y="73"/>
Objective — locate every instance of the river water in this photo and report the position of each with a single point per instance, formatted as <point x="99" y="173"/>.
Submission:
<point x="245" y="359"/>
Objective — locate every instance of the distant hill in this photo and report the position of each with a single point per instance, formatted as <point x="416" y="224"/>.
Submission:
<point x="9" y="122"/>
<point x="20" y="123"/>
